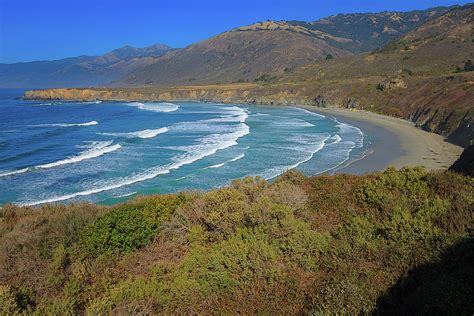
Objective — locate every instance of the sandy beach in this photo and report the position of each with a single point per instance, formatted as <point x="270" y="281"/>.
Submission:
<point x="394" y="142"/>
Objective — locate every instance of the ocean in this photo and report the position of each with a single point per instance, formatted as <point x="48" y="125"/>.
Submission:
<point x="108" y="152"/>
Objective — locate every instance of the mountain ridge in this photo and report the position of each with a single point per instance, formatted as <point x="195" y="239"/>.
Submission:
<point x="226" y="57"/>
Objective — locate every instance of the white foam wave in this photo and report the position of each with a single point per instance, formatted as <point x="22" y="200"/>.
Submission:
<point x="92" y="102"/>
<point x="345" y="129"/>
<point x="11" y="173"/>
<point x="293" y="123"/>
<point x="156" y="107"/>
<point x="125" y="195"/>
<point x="234" y="114"/>
<point x="10" y="131"/>
<point x="98" y="149"/>
<point x="147" y="133"/>
<point x="208" y="145"/>
<point x="310" y="112"/>
<point x="336" y="139"/>
<point x="91" y="123"/>
<point x="278" y="170"/>
<point x="225" y="162"/>
<point x="48" y="104"/>
<point x="357" y="141"/>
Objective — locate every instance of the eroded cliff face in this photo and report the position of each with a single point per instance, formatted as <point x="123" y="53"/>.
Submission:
<point x="440" y="105"/>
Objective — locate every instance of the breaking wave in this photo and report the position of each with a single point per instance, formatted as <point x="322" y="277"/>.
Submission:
<point x="156" y="107"/>
<point x="96" y="150"/>
<point x="206" y="146"/>
<point x="147" y="133"/>
<point x="225" y="162"/>
<point x="91" y="123"/>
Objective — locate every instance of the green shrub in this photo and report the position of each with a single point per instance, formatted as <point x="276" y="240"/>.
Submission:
<point x="59" y="262"/>
<point x="8" y="305"/>
<point x="129" y="226"/>
<point x="65" y="227"/>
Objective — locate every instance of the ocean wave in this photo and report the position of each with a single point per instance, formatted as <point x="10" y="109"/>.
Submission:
<point x="293" y="123"/>
<point x="231" y="114"/>
<point x="207" y="146"/>
<point x="336" y="139"/>
<point x="225" y="123"/>
<point x="14" y="172"/>
<point x="260" y="114"/>
<point x="346" y="129"/>
<point x="91" y="123"/>
<point x="310" y="112"/>
<point x="147" y="133"/>
<point x="124" y="195"/>
<point x="346" y="132"/>
<point x="96" y="150"/>
<point x="10" y="131"/>
<point x="225" y="162"/>
<point x="92" y="102"/>
<point x="278" y="170"/>
<point x="346" y="161"/>
<point x="48" y="104"/>
<point x="164" y="107"/>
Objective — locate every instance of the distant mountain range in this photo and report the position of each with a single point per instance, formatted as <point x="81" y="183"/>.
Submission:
<point x="254" y="52"/>
<point x="80" y="71"/>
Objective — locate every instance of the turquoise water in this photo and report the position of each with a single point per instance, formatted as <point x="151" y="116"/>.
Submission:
<point x="107" y="152"/>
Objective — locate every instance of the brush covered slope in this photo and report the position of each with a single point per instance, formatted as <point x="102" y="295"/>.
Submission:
<point x="263" y="50"/>
<point x="79" y="71"/>
<point x="395" y="242"/>
<point x="234" y="56"/>
<point x="246" y="53"/>
<point x="365" y="32"/>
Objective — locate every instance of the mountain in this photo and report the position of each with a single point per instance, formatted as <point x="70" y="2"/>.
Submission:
<point x="79" y="71"/>
<point x="234" y="56"/>
<point x="258" y="52"/>
<point x="263" y="50"/>
<point x="368" y="31"/>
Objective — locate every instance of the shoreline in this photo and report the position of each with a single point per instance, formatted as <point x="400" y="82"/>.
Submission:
<point x="394" y="142"/>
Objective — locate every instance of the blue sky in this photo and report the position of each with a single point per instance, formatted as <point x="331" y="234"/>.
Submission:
<point x="53" y="29"/>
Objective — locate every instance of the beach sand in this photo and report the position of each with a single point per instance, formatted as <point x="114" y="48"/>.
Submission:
<point x="394" y="142"/>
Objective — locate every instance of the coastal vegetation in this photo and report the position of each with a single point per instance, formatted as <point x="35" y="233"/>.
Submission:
<point x="391" y="242"/>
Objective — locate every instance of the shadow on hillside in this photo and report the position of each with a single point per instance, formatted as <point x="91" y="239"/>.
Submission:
<point x="442" y="288"/>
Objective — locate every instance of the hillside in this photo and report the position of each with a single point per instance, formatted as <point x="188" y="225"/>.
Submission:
<point x="266" y="49"/>
<point x="395" y="242"/>
<point x="79" y="71"/>
<point x="369" y="31"/>
<point x="234" y="56"/>
<point x="259" y="51"/>
<point x="421" y="76"/>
